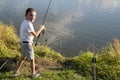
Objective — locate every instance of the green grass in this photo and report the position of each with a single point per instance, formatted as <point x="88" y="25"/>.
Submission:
<point x="53" y="66"/>
<point x="9" y="41"/>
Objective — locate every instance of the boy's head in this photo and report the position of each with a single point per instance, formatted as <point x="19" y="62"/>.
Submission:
<point x="30" y="14"/>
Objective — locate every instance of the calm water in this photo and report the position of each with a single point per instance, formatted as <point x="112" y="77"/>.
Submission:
<point x="72" y="25"/>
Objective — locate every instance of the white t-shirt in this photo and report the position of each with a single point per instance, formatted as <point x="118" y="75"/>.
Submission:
<point x="25" y="29"/>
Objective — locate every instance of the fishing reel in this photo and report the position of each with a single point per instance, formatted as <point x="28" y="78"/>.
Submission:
<point x="43" y="32"/>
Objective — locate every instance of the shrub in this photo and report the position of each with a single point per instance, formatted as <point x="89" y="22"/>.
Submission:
<point x="109" y="61"/>
<point x="9" y="43"/>
<point x="83" y="64"/>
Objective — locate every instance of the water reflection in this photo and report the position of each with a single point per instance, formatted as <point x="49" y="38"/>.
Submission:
<point x="109" y="5"/>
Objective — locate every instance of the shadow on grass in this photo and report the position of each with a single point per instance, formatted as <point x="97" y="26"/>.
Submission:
<point x="7" y="64"/>
<point x="66" y="65"/>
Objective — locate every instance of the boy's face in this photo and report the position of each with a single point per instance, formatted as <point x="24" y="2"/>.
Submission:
<point x="31" y="16"/>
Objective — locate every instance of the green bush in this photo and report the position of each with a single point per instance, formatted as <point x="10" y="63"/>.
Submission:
<point x="83" y="64"/>
<point x="3" y="50"/>
<point x="9" y="43"/>
<point x="108" y="63"/>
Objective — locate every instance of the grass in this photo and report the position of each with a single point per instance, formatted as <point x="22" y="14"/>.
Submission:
<point x="9" y="41"/>
<point x="53" y="66"/>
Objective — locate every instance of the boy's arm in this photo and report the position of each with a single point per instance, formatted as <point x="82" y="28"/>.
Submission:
<point x="36" y="33"/>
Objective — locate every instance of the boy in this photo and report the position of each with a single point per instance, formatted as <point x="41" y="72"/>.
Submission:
<point x="27" y="34"/>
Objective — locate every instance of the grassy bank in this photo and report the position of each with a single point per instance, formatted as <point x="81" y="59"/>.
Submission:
<point x="53" y="66"/>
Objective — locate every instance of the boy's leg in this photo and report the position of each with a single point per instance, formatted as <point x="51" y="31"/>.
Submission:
<point x="20" y="62"/>
<point x="32" y="65"/>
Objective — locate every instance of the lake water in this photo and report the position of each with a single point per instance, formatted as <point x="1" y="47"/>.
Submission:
<point x="72" y="25"/>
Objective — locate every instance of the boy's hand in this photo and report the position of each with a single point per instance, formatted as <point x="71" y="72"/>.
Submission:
<point x="43" y="29"/>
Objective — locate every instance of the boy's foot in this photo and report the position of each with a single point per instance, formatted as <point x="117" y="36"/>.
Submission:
<point x="36" y="75"/>
<point x="15" y="74"/>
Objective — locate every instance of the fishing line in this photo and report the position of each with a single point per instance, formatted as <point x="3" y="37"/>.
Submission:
<point x="44" y="22"/>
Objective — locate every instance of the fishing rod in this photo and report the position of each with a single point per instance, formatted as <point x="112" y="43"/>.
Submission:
<point x="44" y="21"/>
<point x="94" y="68"/>
<point x="4" y="64"/>
<point x="94" y="50"/>
<point x="94" y="61"/>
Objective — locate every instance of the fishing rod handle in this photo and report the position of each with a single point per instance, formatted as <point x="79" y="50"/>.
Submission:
<point x="43" y="32"/>
<point x="94" y="59"/>
<point x="44" y="29"/>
